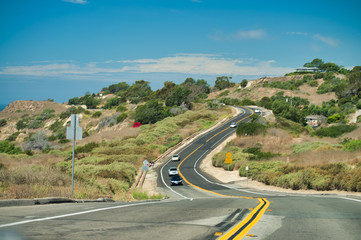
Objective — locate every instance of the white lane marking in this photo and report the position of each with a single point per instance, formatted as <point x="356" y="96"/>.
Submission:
<point x="165" y="184"/>
<point x="351" y="199"/>
<point x="79" y="213"/>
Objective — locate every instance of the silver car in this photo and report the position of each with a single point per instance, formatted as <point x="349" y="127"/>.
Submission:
<point x="173" y="171"/>
<point x="176" y="157"/>
<point x="233" y="125"/>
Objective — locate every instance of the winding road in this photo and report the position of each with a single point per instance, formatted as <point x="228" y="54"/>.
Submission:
<point x="201" y="208"/>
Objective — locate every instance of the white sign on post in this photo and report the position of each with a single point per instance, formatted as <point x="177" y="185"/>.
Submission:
<point x="246" y="168"/>
<point x="78" y="131"/>
<point x="74" y="132"/>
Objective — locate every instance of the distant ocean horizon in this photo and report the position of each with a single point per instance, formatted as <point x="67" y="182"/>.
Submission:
<point x="2" y="106"/>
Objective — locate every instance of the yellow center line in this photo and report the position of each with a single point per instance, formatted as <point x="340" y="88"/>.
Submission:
<point x="249" y="220"/>
<point x="237" y="227"/>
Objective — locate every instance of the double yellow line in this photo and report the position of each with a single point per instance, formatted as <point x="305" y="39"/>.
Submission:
<point x="240" y="230"/>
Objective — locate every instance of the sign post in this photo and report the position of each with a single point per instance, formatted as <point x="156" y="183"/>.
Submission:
<point x="247" y="174"/>
<point x="228" y="159"/>
<point x="74" y="132"/>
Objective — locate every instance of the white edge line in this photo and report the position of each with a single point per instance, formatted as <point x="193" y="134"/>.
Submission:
<point x="79" y="213"/>
<point x="165" y="184"/>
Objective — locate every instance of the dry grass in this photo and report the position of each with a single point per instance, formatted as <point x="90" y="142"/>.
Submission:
<point x="322" y="158"/>
<point x="276" y="141"/>
<point x="22" y="160"/>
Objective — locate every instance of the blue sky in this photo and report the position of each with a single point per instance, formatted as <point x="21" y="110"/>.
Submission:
<point x="60" y="49"/>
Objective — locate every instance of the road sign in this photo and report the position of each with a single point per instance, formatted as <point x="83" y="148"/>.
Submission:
<point x="228" y="160"/>
<point x="74" y="132"/>
<point x="70" y="133"/>
<point x="246" y="168"/>
<point x="229" y="154"/>
<point x="145" y="162"/>
<point x="145" y="168"/>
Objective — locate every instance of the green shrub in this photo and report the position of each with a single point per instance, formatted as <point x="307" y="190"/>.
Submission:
<point x="97" y="114"/>
<point x="173" y="140"/>
<point x="224" y="93"/>
<point x="87" y="148"/>
<point x="251" y="128"/>
<point x="313" y="83"/>
<point x="121" y="108"/>
<point x="3" y="122"/>
<point x="335" y="131"/>
<point x="352" y="146"/>
<point x="9" y="148"/>
<point x="122" y="117"/>
<point x="334" y="118"/>
<point x="21" y="124"/>
<point x="257" y="154"/>
<point x="13" y="136"/>
<point x="308" y="146"/>
<point x="35" y="124"/>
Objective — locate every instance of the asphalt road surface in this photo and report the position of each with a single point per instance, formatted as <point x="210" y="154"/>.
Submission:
<point x="201" y="208"/>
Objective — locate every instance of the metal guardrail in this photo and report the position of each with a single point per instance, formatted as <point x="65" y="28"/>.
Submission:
<point x="141" y="177"/>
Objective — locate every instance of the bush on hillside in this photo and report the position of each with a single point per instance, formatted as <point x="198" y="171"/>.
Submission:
<point x="353" y="145"/>
<point x="9" y="148"/>
<point x="38" y="140"/>
<point x="335" y="131"/>
<point x="3" y="122"/>
<point x="251" y="128"/>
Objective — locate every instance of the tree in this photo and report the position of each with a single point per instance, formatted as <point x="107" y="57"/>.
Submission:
<point x="189" y="81"/>
<point x="139" y="91"/>
<point x="223" y="82"/>
<point x="164" y="92"/>
<point x="21" y="124"/>
<point x="315" y="63"/>
<point x="3" y="122"/>
<point x="178" y="96"/>
<point x="151" y="112"/>
<point x="90" y="102"/>
<point x="329" y="67"/>
<point x="204" y="85"/>
<point x="244" y="83"/>
<point x="122" y="86"/>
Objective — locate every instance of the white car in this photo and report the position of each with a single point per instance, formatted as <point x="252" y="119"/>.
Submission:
<point x="257" y="111"/>
<point x="233" y="125"/>
<point x="173" y="171"/>
<point x="175" y="157"/>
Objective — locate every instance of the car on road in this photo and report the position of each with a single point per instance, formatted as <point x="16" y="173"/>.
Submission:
<point x="233" y="125"/>
<point x="173" y="171"/>
<point x="176" y="157"/>
<point x="257" y="111"/>
<point x="176" y="180"/>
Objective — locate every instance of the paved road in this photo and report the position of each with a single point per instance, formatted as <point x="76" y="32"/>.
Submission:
<point x="200" y="209"/>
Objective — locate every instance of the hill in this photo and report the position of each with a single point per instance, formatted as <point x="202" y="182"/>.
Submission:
<point x="35" y="154"/>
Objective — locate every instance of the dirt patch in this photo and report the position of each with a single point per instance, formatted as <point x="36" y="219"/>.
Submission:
<point x="19" y="108"/>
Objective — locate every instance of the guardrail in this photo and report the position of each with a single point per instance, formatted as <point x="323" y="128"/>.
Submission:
<point x="141" y="177"/>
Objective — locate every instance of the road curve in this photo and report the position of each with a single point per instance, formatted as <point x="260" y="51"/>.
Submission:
<point x="200" y="209"/>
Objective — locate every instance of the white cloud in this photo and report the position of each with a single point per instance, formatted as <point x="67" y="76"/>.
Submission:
<point x="298" y="33"/>
<point x="241" y="34"/>
<point x="76" y="1"/>
<point x="328" y="40"/>
<point x="196" y="64"/>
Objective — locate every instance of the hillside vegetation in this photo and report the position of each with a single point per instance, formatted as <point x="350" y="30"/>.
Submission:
<point x="36" y="156"/>
<point x="289" y="153"/>
<point x="125" y="124"/>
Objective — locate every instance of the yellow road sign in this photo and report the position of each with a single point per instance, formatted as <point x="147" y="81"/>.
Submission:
<point x="229" y="154"/>
<point x="228" y="160"/>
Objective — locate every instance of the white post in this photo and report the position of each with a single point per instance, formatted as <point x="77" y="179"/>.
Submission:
<point x="72" y="174"/>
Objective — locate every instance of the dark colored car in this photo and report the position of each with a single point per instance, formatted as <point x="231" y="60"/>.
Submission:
<point x="176" y="180"/>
